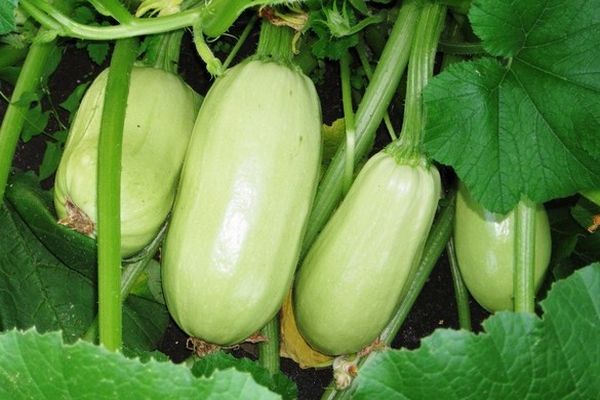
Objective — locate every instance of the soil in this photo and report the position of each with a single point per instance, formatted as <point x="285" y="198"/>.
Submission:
<point x="435" y="307"/>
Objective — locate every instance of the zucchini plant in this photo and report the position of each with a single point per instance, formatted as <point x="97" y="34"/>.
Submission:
<point x="512" y="118"/>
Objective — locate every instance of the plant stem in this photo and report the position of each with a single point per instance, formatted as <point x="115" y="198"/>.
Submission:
<point x="169" y="48"/>
<point x="28" y="82"/>
<point x="240" y="42"/>
<point x="461" y="293"/>
<point x="213" y="64"/>
<point x="275" y="43"/>
<point x="53" y="19"/>
<point x="369" y="114"/>
<point x="348" y="121"/>
<point x="438" y="237"/>
<point x="420" y="70"/>
<point x="268" y="352"/>
<point x="524" y="286"/>
<point x="361" y="50"/>
<point x="109" y="193"/>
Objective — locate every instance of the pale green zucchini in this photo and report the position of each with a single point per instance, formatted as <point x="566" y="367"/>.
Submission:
<point x="484" y="243"/>
<point x="360" y="266"/>
<point x="247" y="185"/>
<point x="161" y="111"/>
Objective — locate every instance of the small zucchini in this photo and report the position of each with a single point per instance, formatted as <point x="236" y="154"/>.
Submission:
<point x="484" y="243"/>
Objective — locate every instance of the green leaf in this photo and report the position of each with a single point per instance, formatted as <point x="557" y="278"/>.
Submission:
<point x="71" y="104"/>
<point x="34" y="366"/>
<point x="97" y="51"/>
<point x="39" y="290"/>
<point x="278" y="383"/>
<point x="51" y="160"/>
<point x="7" y="16"/>
<point x="519" y="356"/>
<point x="527" y="125"/>
<point x="36" y="121"/>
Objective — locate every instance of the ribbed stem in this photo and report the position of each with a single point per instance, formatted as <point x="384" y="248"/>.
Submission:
<point x="14" y="118"/>
<point x="51" y="18"/>
<point x="348" y="120"/>
<point x="524" y="283"/>
<point x="461" y="294"/>
<point x="361" y="50"/>
<point x="169" y="48"/>
<point x="268" y="351"/>
<point x="420" y="70"/>
<point x="109" y="193"/>
<point x="275" y="43"/>
<point x="369" y="114"/>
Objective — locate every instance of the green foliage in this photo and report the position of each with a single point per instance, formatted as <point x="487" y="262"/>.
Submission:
<point x="277" y="383"/>
<point x="524" y="125"/>
<point x="7" y="16"/>
<point x="519" y="356"/>
<point x="41" y="290"/>
<point x="42" y="366"/>
<point x="71" y="104"/>
<point x="35" y="122"/>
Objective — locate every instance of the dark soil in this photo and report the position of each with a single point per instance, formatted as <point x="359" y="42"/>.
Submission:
<point x="435" y="307"/>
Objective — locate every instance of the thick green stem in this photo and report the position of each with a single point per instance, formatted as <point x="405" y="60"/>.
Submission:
<point x="169" y="48"/>
<point x="369" y="114"/>
<point x="361" y="50"/>
<point x="268" y="351"/>
<point x="524" y="283"/>
<point x="109" y="190"/>
<point x="461" y="294"/>
<point x="348" y="121"/>
<point x="53" y="19"/>
<point x="436" y="242"/>
<point x="240" y="42"/>
<point x="14" y="118"/>
<point x="275" y="43"/>
<point x="420" y="70"/>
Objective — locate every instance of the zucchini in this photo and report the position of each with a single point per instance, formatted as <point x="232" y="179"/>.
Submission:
<point x="159" y="119"/>
<point x="484" y="243"/>
<point x="247" y="186"/>
<point x="361" y="265"/>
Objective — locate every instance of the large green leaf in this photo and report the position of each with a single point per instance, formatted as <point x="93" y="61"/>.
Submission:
<point x="34" y="366"/>
<point x="527" y="125"/>
<point x="519" y="356"/>
<point x="278" y="383"/>
<point x="7" y="16"/>
<point x="37" y="289"/>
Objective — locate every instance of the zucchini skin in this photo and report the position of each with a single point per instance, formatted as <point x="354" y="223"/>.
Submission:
<point x="484" y="244"/>
<point x="161" y="111"/>
<point x="359" y="268"/>
<point x="247" y="186"/>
